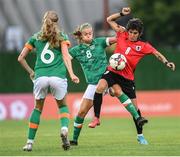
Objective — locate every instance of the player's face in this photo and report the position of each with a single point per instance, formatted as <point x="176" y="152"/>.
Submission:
<point x="87" y="35"/>
<point x="133" y="35"/>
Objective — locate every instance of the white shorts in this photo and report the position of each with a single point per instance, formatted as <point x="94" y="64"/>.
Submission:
<point x="57" y="86"/>
<point x="90" y="91"/>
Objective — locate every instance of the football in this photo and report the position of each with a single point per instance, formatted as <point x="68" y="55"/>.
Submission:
<point x="117" y="61"/>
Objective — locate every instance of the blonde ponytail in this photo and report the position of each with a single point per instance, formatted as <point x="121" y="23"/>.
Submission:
<point x="50" y="30"/>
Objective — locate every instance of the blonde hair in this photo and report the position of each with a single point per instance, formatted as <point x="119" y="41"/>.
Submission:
<point x="50" y="30"/>
<point x="78" y="31"/>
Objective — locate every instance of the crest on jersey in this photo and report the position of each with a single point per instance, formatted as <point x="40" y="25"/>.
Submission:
<point x="92" y="47"/>
<point x="138" y="48"/>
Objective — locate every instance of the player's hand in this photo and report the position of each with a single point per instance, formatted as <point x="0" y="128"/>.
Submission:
<point x="171" y="65"/>
<point x="126" y="10"/>
<point x="31" y="75"/>
<point x="74" y="78"/>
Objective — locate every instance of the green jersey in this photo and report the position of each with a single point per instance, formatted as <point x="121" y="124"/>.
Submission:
<point x="92" y="59"/>
<point x="49" y="60"/>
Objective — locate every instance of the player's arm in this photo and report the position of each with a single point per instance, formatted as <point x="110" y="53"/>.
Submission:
<point x="111" y="40"/>
<point x="67" y="61"/>
<point x="163" y="59"/>
<point x="22" y="61"/>
<point x="110" y="44"/>
<point x="112" y="19"/>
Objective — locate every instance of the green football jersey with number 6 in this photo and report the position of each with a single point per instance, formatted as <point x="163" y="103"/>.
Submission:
<point x="92" y="58"/>
<point x="49" y="61"/>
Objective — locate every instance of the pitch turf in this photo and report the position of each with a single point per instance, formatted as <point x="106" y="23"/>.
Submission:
<point x="114" y="137"/>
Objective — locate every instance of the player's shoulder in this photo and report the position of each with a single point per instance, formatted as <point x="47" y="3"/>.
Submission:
<point x="100" y="40"/>
<point x="36" y="35"/>
<point x="124" y="33"/>
<point x="145" y="42"/>
<point x="63" y="35"/>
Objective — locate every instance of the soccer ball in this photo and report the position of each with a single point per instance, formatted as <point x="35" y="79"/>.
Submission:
<point x="117" y="61"/>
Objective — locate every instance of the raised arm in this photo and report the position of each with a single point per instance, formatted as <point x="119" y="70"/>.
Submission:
<point x="163" y="59"/>
<point x="111" y="19"/>
<point x="67" y="62"/>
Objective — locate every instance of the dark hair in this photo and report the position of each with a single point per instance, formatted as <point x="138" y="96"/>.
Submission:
<point x="135" y="24"/>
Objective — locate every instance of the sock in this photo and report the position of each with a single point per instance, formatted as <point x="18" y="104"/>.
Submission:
<point x="97" y="102"/>
<point x="77" y="127"/>
<point x="124" y="99"/>
<point x="64" y="116"/>
<point x="33" y="124"/>
<point x="138" y="128"/>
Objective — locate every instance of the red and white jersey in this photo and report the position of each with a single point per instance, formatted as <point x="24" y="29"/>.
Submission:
<point x="133" y="51"/>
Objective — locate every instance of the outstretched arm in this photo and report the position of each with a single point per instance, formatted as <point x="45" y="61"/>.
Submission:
<point x="111" y="19"/>
<point x="67" y="62"/>
<point x="163" y="59"/>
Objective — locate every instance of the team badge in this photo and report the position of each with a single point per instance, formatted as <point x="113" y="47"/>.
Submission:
<point x="138" y="48"/>
<point x="92" y="47"/>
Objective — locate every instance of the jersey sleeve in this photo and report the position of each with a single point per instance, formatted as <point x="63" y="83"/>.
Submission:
<point x="149" y="49"/>
<point x="31" y="41"/>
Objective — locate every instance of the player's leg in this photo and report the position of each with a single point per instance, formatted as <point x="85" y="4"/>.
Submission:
<point x="85" y="106"/>
<point x="40" y="92"/>
<point x="124" y="93"/>
<point x="129" y="89"/>
<point x="58" y="87"/>
<point x="97" y="102"/>
<point x="34" y="124"/>
<point x="64" y="122"/>
<point x="124" y="99"/>
<point x="106" y="81"/>
<point x="140" y="137"/>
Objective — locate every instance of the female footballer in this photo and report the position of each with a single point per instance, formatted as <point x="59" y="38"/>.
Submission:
<point x="90" y="53"/>
<point x="51" y="47"/>
<point x="134" y="49"/>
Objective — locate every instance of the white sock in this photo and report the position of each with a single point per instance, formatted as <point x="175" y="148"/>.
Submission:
<point x="30" y="141"/>
<point x="64" y="130"/>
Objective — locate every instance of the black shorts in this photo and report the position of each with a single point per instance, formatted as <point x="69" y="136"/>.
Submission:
<point x="127" y="86"/>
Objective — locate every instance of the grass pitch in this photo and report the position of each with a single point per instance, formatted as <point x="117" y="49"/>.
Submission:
<point x="114" y="137"/>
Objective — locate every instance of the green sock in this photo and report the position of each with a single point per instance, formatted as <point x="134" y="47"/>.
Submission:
<point x="77" y="127"/>
<point x="124" y="99"/>
<point x="34" y="123"/>
<point x="64" y="116"/>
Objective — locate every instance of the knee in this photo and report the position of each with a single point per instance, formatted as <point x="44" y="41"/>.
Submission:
<point x="100" y="88"/>
<point x="38" y="107"/>
<point x="118" y="92"/>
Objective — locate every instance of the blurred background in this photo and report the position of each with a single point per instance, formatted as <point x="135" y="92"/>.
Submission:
<point x="20" y="19"/>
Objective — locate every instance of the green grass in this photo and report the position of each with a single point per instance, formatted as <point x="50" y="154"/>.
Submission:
<point x="115" y="137"/>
